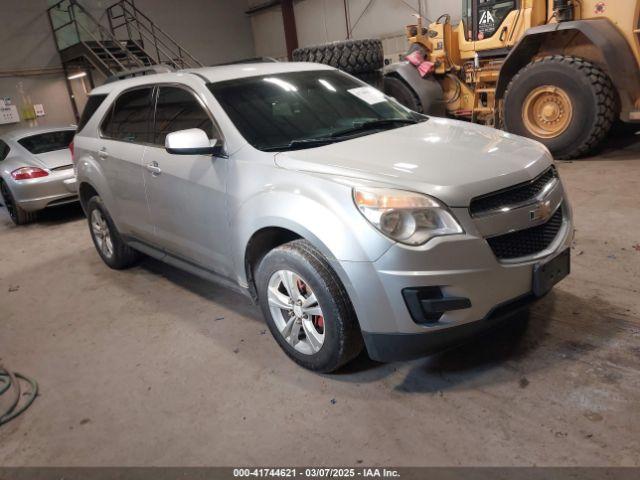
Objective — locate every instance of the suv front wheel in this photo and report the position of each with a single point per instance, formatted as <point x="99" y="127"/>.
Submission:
<point x="306" y="307"/>
<point x="108" y="242"/>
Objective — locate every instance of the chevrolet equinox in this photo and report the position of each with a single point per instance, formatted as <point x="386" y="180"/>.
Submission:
<point x="352" y="221"/>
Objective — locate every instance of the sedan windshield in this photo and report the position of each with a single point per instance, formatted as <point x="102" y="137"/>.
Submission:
<point x="291" y="111"/>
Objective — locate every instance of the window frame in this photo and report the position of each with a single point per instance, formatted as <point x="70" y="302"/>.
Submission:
<point x="109" y="110"/>
<point x="154" y="103"/>
<point x="476" y="19"/>
<point x="203" y="105"/>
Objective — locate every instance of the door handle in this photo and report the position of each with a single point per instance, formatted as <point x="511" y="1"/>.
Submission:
<point x="102" y="153"/>
<point x="502" y="34"/>
<point x="153" y="168"/>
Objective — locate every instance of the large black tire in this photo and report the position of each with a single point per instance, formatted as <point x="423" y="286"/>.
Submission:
<point x="121" y="255"/>
<point x="18" y="215"/>
<point x="403" y="93"/>
<point x="351" y="56"/>
<point x="342" y="337"/>
<point x="592" y="97"/>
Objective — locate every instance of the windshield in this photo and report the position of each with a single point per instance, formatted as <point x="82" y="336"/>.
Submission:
<point x="47" y="142"/>
<point x="296" y="110"/>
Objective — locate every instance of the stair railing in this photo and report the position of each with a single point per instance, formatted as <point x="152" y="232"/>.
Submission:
<point x="73" y="8"/>
<point x="136" y="23"/>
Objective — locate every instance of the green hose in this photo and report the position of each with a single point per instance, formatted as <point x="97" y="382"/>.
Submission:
<point x="9" y="384"/>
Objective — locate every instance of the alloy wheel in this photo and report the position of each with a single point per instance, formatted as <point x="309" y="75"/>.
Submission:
<point x="296" y="311"/>
<point x="101" y="233"/>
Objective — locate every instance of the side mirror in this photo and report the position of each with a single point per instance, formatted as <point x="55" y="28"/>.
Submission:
<point x="191" y="142"/>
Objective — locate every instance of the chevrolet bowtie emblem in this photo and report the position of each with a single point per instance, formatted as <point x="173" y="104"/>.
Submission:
<point x="541" y="212"/>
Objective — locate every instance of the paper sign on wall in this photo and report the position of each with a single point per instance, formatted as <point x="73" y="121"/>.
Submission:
<point x="9" y="114"/>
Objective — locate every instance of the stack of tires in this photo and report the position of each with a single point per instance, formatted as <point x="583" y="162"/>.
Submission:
<point x="362" y="58"/>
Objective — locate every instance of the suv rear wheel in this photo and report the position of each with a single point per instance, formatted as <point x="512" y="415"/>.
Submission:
<point x="108" y="242"/>
<point x="306" y="307"/>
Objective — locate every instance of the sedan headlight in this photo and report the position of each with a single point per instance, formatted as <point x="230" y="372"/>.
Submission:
<point x="406" y="217"/>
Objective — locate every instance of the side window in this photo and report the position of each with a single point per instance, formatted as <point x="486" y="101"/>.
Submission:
<point x="93" y="103"/>
<point x="4" y="150"/>
<point x="491" y="13"/>
<point x="130" y="117"/>
<point x="178" y="109"/>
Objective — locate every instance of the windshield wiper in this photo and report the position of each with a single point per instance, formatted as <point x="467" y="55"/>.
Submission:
<point x="301" y="143"/>
<point x="373" y="125"/>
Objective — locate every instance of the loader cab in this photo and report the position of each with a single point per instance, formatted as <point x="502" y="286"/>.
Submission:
<point x="490" y="24"/>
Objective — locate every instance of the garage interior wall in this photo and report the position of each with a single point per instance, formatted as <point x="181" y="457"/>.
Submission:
<point x="320" y="21"/>
<point x="214" y="31"/>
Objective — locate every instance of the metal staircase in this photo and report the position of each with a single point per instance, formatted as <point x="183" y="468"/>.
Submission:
<point x="127" y="40"/>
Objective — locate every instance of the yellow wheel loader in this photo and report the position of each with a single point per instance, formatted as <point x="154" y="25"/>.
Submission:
<point x="558" y="71"/>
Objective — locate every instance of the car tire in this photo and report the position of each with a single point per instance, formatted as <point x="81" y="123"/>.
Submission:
<point x="18" y="215"/>
<point x="311" y="274"/>
<point x="106" y="238"/>
<point x="351" y="56"/>
<point x="572" y="85"/>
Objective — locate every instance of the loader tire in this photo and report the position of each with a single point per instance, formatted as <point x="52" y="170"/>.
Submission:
<point x="351" y="56"/>
<point x="403" y="93"/>
<point x="565" y="102"/>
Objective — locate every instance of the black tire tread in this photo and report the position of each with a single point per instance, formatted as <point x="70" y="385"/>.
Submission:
<point x="351" y="56"/>
<point x="23" y="217"/>
<point x="123" y="255"/>
<point x="604" y="90"/>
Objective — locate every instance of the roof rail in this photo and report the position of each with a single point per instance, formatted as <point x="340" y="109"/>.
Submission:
<point x="249" y="60"/>
<point x="138" y="72"/>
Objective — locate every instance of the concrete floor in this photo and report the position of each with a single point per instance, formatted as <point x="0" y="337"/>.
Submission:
<point x="155" y="367"/>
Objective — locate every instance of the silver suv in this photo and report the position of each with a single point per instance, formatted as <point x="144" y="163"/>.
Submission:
<point x="351" y="220"/>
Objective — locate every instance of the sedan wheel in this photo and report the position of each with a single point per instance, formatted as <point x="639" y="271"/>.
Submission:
<point x="101" y="233"/>
<point x="17" y="214"/>
<point x="296" y="312"/>
<point x="7" y="199"/>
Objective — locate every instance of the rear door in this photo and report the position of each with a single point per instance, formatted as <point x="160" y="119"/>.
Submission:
<point x="186" y="193"/>
<point x="125" y="134"/>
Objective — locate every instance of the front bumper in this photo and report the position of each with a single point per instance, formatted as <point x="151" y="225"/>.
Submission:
<point x="462" y="266"/>
<point x="58" y="188"/>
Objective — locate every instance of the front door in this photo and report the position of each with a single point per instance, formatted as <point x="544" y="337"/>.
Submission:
<point x="186" y="193"/>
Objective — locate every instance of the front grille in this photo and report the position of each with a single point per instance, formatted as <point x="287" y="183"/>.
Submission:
<point x="527" y="242"/>
<point x="512" y="195"/>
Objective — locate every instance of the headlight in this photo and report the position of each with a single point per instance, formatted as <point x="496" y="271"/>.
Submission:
<point x="405" y="217"/>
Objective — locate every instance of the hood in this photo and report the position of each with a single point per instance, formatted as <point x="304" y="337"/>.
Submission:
<point x="55" y="159"/>
<point x="451" y="160"/>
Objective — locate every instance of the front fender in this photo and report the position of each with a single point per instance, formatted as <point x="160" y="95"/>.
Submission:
<point x="427" y="89"/>
<point x="316" y="209"/>
<point x="617" y="57"/>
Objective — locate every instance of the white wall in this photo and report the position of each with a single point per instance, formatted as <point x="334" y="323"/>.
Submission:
<point x="320" y="21"/>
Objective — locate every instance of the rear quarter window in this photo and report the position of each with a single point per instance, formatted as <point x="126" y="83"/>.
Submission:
<point x="47" y="142"/>
<point x="93" y="103"/>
